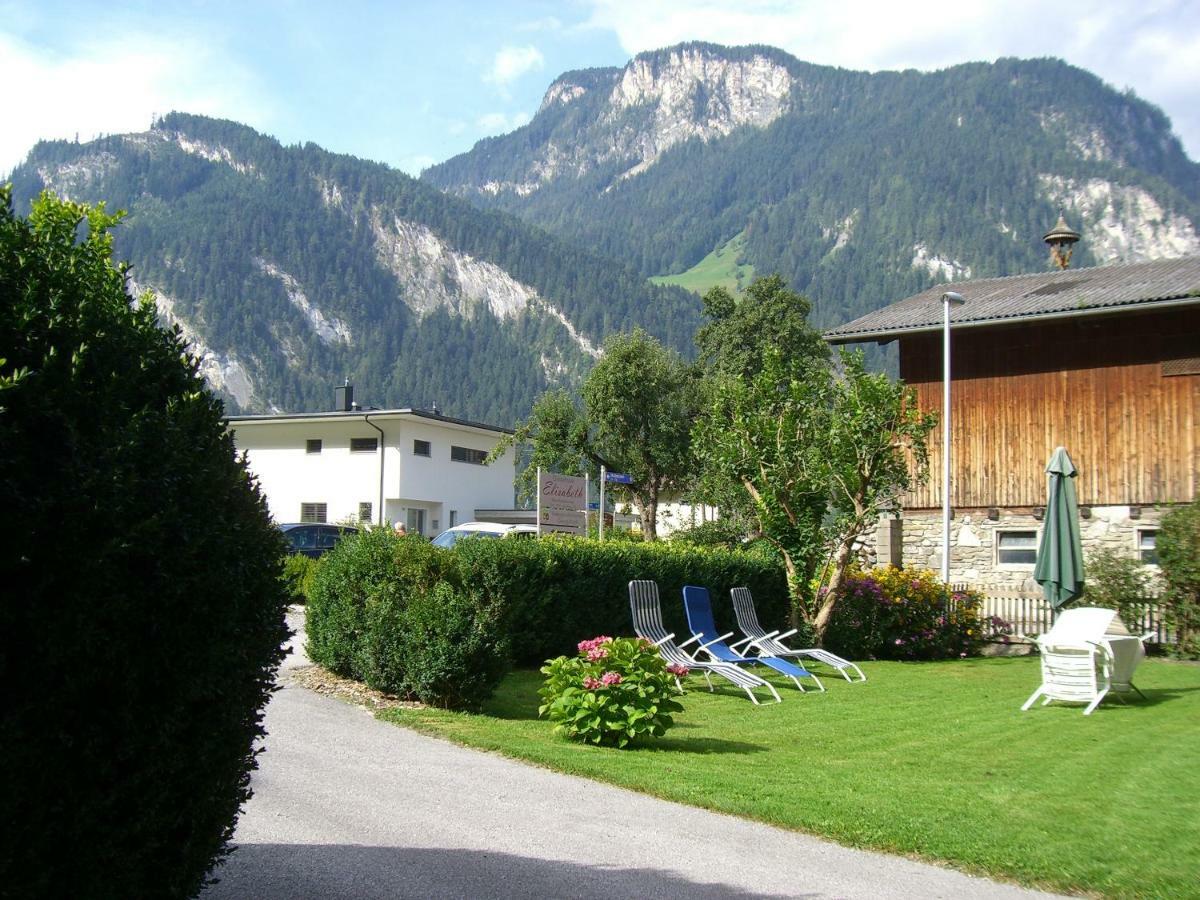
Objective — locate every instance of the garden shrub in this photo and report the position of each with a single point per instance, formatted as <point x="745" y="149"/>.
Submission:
<point x="1178" y="547"/>
<point x="891" y="613"/>
<point x="613" y="691"/>
<point x="555" y="589"/>
<point x="726" y="533"/>
<point x="297" y="576"/>
<point x="142" y="617"/>
<point x="1117" y="581"/>
<point x="454" y="649"/>
<point x="370" y="610"/>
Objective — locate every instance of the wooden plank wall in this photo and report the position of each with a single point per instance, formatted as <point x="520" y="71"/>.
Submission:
<point x="1093" y="385"/>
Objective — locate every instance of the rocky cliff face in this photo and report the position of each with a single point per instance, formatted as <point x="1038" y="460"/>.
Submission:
<point x="654" y="103"/>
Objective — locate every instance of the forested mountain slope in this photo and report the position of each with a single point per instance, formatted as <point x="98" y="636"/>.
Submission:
<point x="859" y="188"/>
<point x="292" y="269"/>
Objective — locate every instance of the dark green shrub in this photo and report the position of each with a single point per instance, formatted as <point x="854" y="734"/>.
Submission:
<point x="454" y="650"/>
<point x="373" y="616"/>
<point x="556" y="591"/>
<point x="1179" y="556"/>
<point x="891" y="613"/>
<point x="298" y="571"/>
<point x="725" y="533"/>
<point x="1117" y="581"/>
<point x="142" y="617"/>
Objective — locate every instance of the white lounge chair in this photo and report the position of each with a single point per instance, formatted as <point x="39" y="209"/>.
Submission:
<point x="769" y="643"/>
<point x="646" y="608"/>
<point x="1087" y="654"/>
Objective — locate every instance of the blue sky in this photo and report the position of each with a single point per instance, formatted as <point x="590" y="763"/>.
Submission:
<point x="412" y="83"/>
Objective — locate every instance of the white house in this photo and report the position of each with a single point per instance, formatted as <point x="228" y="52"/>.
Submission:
<point x="367" y="465"/>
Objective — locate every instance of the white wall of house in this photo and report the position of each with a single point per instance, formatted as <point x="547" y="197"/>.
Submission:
<point x="415" y="487"/>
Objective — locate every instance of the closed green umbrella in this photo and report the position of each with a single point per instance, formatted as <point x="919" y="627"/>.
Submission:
<point x="1059" y="567"/>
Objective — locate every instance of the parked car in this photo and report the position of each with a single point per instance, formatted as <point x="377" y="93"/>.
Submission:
<point x="314" y="539"/>
<point x="483" y="530"/>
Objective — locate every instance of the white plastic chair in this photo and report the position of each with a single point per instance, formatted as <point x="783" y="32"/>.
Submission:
<point x="1074" y="673"/>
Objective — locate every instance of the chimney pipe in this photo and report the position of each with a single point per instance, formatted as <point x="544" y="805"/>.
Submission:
<point x="343" y="398"/>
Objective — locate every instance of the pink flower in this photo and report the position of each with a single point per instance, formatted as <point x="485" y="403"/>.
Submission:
<point x="596" y="653"/>
<point x="585" y="646"/>
<point x="679" y="670"/>
<point x="592" y="684"/>
<point x="611" y="678"/>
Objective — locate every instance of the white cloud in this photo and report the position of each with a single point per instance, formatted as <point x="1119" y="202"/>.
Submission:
<point x="414" y="165"/>
<point x="513" y="62"/>
<point x="498" y="122"/>
<point x="98" y="91"/>
<point x="1153" y="46"/>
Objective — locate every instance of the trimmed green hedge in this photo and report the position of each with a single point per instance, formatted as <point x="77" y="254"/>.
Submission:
<point x="142" y="612"/>
<point x="557" y="592"/>
<point x="369" y="617"/>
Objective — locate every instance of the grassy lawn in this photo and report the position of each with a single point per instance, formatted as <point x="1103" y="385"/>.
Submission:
<point x="718" y="268"/>
<point x="933" y="760"/>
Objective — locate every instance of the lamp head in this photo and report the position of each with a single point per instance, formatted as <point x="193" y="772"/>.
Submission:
<point x="953" y="298"/>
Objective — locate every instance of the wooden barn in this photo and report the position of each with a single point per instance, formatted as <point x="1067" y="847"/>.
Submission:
<point x="1104" y="361"/>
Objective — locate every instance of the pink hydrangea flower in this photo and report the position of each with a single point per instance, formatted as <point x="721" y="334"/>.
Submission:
<point x="592" y="684"/>
<point x="679" y="670"/>
<point x="596" y="653"/>
<point x="611" y="678"/>
<point x="585" y="646"/>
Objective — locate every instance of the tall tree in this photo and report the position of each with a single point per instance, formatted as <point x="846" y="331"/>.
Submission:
<point x="639" y="402"/>
<point x="739" y="331"/>
<point x="819" y="455"/>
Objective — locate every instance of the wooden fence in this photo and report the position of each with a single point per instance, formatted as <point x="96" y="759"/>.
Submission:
<point x="1025" y="614"/>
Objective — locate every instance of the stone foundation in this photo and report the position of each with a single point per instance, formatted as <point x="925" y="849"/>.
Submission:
<point x="973" y="538"/>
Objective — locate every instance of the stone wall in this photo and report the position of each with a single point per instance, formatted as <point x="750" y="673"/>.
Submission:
<point x="973" y="539"/>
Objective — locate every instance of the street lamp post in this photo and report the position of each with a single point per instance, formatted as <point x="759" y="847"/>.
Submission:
<point x="949" y="298"/>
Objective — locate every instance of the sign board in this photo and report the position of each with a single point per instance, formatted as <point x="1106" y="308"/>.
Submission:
<point x="593" y="504"/>
<point x="561" y="503"/>
<point x="618" y="478"/>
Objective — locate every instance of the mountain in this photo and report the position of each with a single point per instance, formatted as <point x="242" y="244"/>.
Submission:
<point x="291" y="269"/>
<point x="701" y="163"/>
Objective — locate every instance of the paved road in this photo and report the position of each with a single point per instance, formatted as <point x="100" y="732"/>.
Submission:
<point x="346" y="806"/>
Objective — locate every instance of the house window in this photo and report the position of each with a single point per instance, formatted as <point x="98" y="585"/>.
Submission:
<point x="1147" y="539"/>
<point x="364" y="512"/>
<point x="312" y="445"/>
<point x="453" y="517"/>
<point x="420" y="448"/>
<point x="364" y="445"/>
<point x="1016" y="548"/>
<point x="467" y="455"/>
<point x="313" y="512"/>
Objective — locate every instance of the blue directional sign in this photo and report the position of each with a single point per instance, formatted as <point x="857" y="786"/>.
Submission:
<point x="594" y="504"/>
<point x="618" y="478"/>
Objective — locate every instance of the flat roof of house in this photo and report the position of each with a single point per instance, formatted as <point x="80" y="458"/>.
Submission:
<point x="1047" y="295"/>
<point x="361" y="413"/>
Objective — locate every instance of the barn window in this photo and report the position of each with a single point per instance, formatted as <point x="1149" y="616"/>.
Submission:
<point x="364" y="445"/>
<point x="1016" y="548"/>
<point x="1147" y="541"/>
<point x="420" y="448"/>
<point x="312" y="445"/>
<point x="364" y="512"/>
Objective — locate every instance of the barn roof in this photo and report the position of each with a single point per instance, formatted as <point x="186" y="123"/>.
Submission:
<point x="992" y="301"/>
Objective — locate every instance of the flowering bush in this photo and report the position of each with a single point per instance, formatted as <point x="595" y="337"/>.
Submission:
<point x="613" y="691"/>
<point x="895" y="613"/>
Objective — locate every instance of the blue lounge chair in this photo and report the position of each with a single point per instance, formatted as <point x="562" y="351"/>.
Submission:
<point x="769" y="643"/>
<point x="700" y="620"/>
<point x="646" y="609"/>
